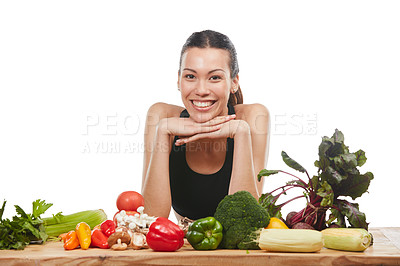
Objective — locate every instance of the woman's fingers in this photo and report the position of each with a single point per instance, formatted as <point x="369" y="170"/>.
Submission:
<point x="187" y="128"/>
<point x="192" y="128"/>
<point x="219" y="120"/>
<point x="224" y="130"/>
<point x="192" y="138"/>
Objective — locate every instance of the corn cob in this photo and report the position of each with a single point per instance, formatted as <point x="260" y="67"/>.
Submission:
<point x="290" y="240"/>
<point x="55" y="226"/>
<point x="348" y="239"/>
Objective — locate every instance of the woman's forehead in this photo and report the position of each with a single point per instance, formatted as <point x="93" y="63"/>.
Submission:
<point x="205" y="58"/>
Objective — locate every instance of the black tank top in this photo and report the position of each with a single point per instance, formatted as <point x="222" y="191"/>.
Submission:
<point x="196" y="195"/>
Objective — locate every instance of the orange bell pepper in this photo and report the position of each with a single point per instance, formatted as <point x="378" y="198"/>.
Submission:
<point x="71" y="241"/>
<point x="84" y="234"/>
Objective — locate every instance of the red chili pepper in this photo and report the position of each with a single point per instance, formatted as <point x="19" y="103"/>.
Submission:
<point x="99" y="239"/>
<point x="164" y="235"/>
<point x="108" y="227"/>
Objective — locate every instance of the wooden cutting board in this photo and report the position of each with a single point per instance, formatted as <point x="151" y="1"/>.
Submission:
<point x="385" y="251"/>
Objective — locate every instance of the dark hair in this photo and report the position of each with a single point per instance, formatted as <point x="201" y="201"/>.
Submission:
<point x="213" y="39"/>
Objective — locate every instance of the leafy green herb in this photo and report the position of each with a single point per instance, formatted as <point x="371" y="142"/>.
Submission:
<point x="24" y="228"/>
<point x="338" y="176"/>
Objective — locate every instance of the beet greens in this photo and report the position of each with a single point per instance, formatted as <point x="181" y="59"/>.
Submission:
<point x="337" y="177"/>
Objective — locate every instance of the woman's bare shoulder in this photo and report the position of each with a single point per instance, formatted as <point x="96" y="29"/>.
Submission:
<point x="250" y="111"/>
<point x="256" y="115"/>
<point x="164" y="110"/>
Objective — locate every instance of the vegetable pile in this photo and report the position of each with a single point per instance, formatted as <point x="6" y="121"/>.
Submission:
<point x="338" y="177"/>
<point x="25" y="229"/>
<point x="239" y="222"/>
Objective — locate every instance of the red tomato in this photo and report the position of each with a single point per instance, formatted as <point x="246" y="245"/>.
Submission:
<point x="129" y="201"/>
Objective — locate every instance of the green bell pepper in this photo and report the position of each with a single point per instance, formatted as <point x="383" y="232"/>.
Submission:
<point x="205" y="233"/>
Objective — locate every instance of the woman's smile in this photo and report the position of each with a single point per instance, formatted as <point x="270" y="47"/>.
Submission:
<point x="202" y="105"/>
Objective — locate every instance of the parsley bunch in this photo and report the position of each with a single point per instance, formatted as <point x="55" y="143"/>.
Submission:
<point x="23" y="228"/>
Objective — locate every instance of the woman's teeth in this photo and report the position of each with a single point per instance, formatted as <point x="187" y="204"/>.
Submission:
<point x="202" y="104"/>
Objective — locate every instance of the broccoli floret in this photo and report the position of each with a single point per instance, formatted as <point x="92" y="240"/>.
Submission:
<point x="240" y="215"/>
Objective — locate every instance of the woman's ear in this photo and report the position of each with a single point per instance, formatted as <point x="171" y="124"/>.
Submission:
<point x="235" y="84"/>
<point x="178" y="83"/>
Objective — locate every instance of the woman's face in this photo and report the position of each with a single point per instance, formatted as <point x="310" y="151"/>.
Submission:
<point x="205" y="82"/>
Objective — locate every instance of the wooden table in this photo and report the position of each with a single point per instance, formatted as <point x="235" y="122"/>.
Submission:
<point x="385" y="251"/>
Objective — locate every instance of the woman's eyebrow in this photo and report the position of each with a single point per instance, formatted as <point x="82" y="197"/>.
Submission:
<point x="218" y="69"/>
<point x="214" y="70"/>
<point x="189" y="69"/>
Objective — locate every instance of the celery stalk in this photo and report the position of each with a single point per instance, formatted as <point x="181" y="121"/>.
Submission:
<point x="57" y="225"/>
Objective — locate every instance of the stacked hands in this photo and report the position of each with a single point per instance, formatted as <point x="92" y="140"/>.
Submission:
<point x="189" y="130"/>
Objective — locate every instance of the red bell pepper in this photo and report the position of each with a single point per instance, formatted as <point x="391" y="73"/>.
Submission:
<point x="164" y="235"/>
<point x="108" y="227"/>
<point x="99" y="240"/>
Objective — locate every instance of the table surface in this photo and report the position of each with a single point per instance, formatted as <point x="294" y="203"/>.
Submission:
<point x="384" y="251"/>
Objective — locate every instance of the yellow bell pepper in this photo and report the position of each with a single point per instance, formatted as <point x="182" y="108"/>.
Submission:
<point x="84" y="234"/>
<point x="276" y="223"/>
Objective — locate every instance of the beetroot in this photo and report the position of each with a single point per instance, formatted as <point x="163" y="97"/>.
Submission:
<point x="301" y="225"/>
<point x="338" y="176"/>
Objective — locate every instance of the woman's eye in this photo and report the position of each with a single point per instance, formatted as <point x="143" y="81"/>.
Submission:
<point x="215" y="78"/>
<point x="189" y="76"/>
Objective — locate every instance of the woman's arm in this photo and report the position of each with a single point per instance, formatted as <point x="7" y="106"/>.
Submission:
<point x="162" y="124"/>
<point x="250" y="130"/>
<point x="251" y="148"/>
<point x="155" y="179"/>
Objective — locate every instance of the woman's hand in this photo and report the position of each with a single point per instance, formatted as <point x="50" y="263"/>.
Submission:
<point x="185" y="127"/>
<point x="227" y="129"/>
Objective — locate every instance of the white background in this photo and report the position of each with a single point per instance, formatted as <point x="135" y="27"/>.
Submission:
<point x="78" y="74"/>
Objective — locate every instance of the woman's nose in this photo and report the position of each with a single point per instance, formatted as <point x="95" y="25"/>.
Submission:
<point x="202" y="88"/>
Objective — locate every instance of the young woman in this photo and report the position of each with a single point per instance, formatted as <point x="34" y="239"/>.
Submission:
<point x="213" y="146"/>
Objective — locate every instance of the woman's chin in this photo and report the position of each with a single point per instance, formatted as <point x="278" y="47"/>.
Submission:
<point x="201" y="118"/>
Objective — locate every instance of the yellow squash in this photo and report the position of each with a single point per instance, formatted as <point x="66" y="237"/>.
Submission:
<point x="290" y="240"/>
<point x="348" y="239"/>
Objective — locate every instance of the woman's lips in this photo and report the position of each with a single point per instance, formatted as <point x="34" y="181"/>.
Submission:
<point x="202" y="105"/>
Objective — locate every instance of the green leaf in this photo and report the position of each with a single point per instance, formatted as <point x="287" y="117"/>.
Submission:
<point x="325" y="145"/>
<point x="354" y="216"/>
<point x="338" y="216"/>
<point x="292" y="163"/>
<point x="338" y="136"/>
<point x="322" y="164"/>
<point x="315" y="182"/>
<point x="346" y="161"/>
<point x="332" y="176"/>
<point x="266" y="172"/>
<point x="2" y="210"/>
<point x="267" y="201"/>
<point x="21" y="212"/>
<point x="58" y="217"/>
<point x="355" y="185"/>
<point x="28" y="226"/>
<point x="336" y="149"/>
<point x="326" y="192"/>
<point x="40" y="207"/>
<point x="360" y="157"/>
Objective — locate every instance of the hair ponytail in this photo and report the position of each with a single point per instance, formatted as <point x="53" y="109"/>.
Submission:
<point x="236" y="98"/>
